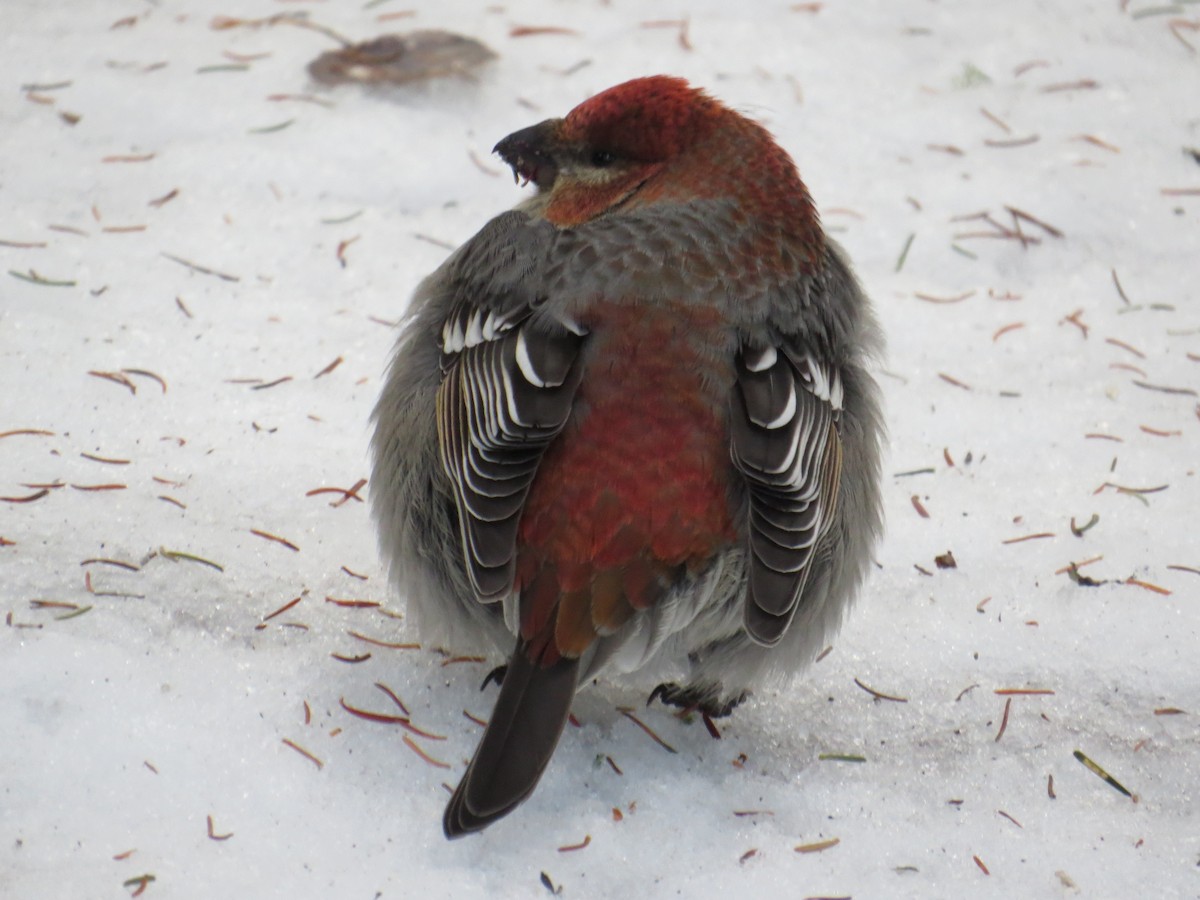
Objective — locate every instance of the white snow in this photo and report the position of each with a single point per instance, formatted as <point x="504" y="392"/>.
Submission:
<point x="165" y="703"/>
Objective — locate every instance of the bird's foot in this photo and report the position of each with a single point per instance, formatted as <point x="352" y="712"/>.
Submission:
<point x="496" y="675"/>
<point x="701" y="698"/>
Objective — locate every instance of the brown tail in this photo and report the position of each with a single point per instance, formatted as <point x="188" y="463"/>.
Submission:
<point x="517" y="744"/>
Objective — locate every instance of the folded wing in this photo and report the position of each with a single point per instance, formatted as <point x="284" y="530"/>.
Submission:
<point x="784" y="441"/>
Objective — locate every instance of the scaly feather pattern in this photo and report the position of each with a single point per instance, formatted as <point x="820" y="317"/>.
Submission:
<point x="506" y="391"/>
<point x="785" y="443"/>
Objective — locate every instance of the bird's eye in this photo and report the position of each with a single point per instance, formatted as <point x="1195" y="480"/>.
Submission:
<point x="602" y="158"/>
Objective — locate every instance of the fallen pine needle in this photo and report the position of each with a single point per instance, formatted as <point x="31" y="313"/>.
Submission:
<point x="164" y="199"/>
<point x="957" y="298"/>
<point x="1029" y="537"/>
<point x="142" y="881"/>
<point x="1164" y="389"/>
<point x="911" y="472"/>
<point x="1023" y="692"/>
<point x="1148" y="586"/>
<point x="362" y="657"/>
<point x="1124" y="489"/>
<point x="270" y="129"/>
<point x="1004" y="719"/>
<point x="587" y="839"/>
<point x="392" y="694"/>
<point x="1020" y="214"/>
<point x="316" y="762"/>
<point x="116" y="378"/>
<point x="108" y="460"/>
<point x="354" y="604"/>
<point x="519" y="31"/>
<point x="1006" y="329"/>
<point x="271" y="384"/>
<point x="1104" y="145"/>
<point x="1081" y="530"/>
<point x="342" y="247"/>
<point x="841" y="757"/>
<point x="34" y="278"/>
<point x="1012" y="142"/>
<point x="176" y="555"/>
<point x="1100" y="773"/>
<point x="385" y="719"/>
<point x="146" y="373"/>
<point x="628" y="713"/>
<point x="982" y="867"/>
<point x="283" y="608"/>
<point x="28" y="498"/>
<point x="339" y="220"/>
<point x="128" y="158"/>
<point x="382" y="718"/>
<point x="1124" y="346"/>
<point x="203" y="270"/>
<point x="420" y="732"/>
<point x="213" y="835"/>
<point x="413" y="746"/>
<point x="878" y="696"/>
<point x="378" y="643"/>
<point x="278" y="540"/>
<point x="904" y="253"/>
<point x="325" y="371"/>
<point x="818" y="846"/>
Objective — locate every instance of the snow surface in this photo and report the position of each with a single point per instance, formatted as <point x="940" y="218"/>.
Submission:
<point x="167" y="697"/>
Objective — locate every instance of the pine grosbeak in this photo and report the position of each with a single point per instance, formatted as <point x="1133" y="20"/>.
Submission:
<point x="629" y="426"/>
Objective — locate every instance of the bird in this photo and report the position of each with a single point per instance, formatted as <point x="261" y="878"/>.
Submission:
<point x="631" y="427"/>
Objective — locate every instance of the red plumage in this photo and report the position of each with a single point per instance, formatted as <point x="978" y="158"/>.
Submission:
<point x="637" y="487"/>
